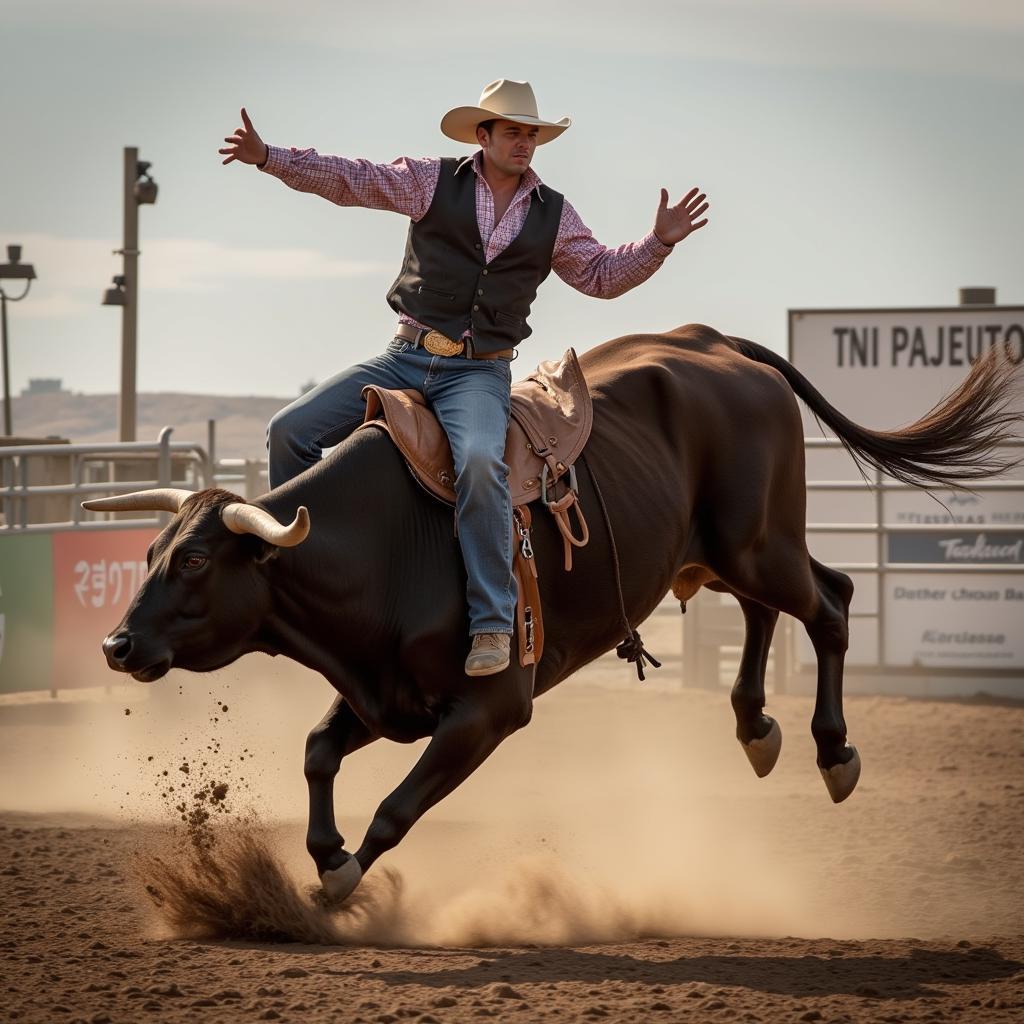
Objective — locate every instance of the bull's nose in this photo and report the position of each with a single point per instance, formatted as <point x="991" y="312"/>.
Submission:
<point x="117" y="647"/>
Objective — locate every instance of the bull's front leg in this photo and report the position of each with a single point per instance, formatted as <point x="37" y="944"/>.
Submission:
<point x="339" y="733"/>
<point x="465" y="736"/>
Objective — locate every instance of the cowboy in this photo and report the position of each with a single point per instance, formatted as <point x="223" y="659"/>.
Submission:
<point x="484" y="232"/>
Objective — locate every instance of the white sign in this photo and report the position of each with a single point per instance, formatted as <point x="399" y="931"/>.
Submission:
<point x="915" y="507"/>
<point x="884" y="368"/>
<point x="960" y="620"/>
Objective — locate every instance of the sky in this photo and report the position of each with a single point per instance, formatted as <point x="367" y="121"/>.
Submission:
<point x="856" y="153"/>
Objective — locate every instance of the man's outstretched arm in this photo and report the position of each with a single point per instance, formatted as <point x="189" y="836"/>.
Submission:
<point x="584" y="263"/>
<point x="404" y="186"/>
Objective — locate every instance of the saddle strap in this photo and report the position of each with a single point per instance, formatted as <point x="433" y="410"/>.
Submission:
<point x="560" y="510"/>
<point x="529" y="620"/>
<point x="632" y="648"/>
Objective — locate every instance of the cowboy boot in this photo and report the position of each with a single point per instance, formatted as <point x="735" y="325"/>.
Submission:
<point x="489" y="654"/>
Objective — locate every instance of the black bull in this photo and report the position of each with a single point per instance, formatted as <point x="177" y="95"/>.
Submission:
<point x="697" y="449"/>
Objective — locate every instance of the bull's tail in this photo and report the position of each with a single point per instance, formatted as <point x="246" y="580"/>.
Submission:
<point x="956" y="440"/>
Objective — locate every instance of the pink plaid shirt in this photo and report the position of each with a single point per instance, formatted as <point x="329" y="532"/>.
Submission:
<point x="407" y="186"/>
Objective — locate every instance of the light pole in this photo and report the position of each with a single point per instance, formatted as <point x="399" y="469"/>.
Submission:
<point x="139" y="188"/>
<point x="12" y="270"/>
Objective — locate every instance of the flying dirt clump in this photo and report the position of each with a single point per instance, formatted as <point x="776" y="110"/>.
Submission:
<point x="215" y="873"/>
<point x="195" y="815"/>
<point x="202" y="793"/>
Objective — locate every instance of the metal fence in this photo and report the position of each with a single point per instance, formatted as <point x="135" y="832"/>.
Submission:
<point x="42" y="486"/>
<point x="881" y="566"/>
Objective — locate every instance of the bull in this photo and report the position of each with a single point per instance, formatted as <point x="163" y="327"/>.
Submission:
<point x="696" y="461"/>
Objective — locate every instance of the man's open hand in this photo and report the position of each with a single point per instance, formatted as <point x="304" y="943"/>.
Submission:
<point x="246" y="145"/>
<point x="673" y="223"/>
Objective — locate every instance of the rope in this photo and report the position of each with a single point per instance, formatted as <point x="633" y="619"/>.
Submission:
<point x="632" y="648"/>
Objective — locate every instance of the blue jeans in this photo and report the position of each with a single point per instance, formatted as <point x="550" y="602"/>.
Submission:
<point x="470" y="398"/>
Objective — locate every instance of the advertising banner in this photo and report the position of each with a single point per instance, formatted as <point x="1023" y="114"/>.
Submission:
<point x="958" y="547"/>
<point x="95" y="576"/>
<point x="961" y="620"/>
<point x="957" y="508"/>
<point x="26" y="613"/>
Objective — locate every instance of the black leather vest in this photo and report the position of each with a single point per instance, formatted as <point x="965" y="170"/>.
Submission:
<point x="445" y="282"/>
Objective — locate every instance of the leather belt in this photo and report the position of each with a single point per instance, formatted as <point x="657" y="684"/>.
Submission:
<point x="437" y="344"/>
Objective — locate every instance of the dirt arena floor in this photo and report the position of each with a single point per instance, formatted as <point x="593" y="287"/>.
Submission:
<point x="618" y="860"/>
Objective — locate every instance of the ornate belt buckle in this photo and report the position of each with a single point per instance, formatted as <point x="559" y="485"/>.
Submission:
<point x="439" y="345"/>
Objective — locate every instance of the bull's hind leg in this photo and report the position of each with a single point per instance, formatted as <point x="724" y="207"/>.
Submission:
<point x="339" y="733"/>
<point x="759" y="734"/>
<point x="783" y="576"/>
<point x="829" y="631"/>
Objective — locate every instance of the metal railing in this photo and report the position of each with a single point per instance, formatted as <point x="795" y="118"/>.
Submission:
<point x="92" y="471"/>
<point x="882" y="530"/>
<point x="247" y="476"/>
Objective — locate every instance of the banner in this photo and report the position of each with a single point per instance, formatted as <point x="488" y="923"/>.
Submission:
<point x="958" y="547"/>
<point x="962" y="620"/>
<point x="26" y="613"/>
<point x="95" y="577"/>
<point x="60" y="595"/>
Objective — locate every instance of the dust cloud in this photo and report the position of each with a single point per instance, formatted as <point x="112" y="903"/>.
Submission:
<point x="233" y="885"/>
<point x="621" y="811"/>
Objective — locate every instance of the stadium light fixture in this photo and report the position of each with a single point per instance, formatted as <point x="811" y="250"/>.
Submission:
<point x="12" y="270"/>
<point x="114" y="295"/>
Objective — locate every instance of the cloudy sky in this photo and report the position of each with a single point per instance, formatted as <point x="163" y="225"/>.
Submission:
<point x="856" y="153"/>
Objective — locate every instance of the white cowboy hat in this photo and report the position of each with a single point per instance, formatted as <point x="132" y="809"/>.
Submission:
<point x="505" y="99"/>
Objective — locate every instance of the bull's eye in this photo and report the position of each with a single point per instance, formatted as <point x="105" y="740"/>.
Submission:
<point x="194" y="562"/>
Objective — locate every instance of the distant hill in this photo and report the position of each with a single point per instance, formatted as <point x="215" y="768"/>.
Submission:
<point x="241" y="420"/>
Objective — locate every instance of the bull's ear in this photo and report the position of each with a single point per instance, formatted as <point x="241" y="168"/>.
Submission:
<point x="259" y="550"/>
<point x="265" y="552"/>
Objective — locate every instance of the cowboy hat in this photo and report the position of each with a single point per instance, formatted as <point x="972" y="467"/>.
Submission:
<point x="505" y="99"/>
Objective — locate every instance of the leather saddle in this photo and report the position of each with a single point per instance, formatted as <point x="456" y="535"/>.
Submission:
<point x="551" y="418"/>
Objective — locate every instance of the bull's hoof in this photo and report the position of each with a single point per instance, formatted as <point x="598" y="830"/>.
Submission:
<point x="763" y="753"/>
<point x="340" y="883"/>
<point x="841" y="779"/>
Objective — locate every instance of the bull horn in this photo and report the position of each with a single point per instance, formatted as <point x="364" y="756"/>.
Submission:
<point x="239" y="517"/>
<point x="160" y="499"/>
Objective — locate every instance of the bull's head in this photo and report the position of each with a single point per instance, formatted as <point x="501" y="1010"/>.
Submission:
<point x="207" y="592"/>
